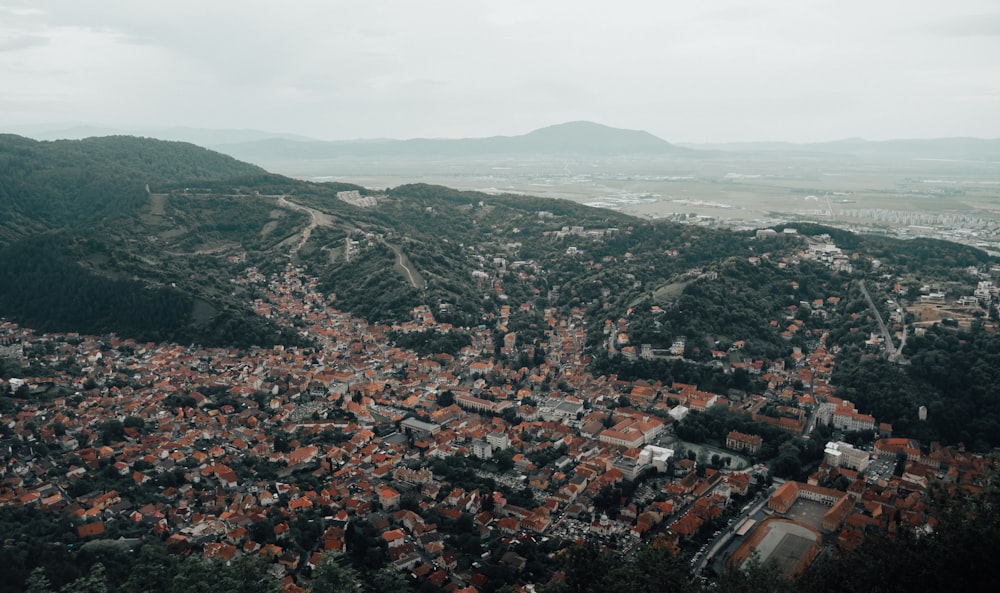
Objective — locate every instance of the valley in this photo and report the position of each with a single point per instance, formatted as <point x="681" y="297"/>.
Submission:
<point x="949" y="200"/>
<point x="437" y="389"/>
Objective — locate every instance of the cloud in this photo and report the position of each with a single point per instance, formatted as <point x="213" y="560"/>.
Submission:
<point x="20" y="41"/>
<point x="979" y="25"/>
<point x="20" y="11"/>
<point x="397" y="68"/>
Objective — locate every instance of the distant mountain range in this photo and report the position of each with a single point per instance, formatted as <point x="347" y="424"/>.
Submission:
<point x="588" y="140"/>
<point x="573" y="139"/>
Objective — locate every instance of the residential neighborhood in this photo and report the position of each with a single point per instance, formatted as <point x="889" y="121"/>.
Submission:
<point x="447" y="463"/>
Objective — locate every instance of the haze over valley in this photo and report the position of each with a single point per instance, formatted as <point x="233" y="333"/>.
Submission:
<point x="945" y="188"/>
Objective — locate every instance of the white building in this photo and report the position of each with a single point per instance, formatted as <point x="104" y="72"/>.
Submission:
<point x="839" y="454"/>
<point x="482" y="449"/>
<point x="498" y="440"/>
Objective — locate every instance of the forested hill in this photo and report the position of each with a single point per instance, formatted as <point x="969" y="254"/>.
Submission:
<point x="81" y="249"/>
<point x="139" y="237"/>
<point x="78" y="183"/>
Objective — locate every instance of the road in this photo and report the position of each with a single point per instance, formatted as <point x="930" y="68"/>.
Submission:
<point x="889" y="348"/>
<point x="415" y="280"/>
<point x="721" y="542"/>
<point x="316" y="218"/>
<point x="898" y="354"/>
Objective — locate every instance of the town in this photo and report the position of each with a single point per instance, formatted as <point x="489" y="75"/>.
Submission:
<point x="457" y="467"/>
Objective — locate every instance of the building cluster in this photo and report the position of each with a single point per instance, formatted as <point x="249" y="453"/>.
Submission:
<point x="351" y="426"/>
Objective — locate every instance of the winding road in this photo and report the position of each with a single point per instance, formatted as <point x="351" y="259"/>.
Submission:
<point x="316" y="218"/>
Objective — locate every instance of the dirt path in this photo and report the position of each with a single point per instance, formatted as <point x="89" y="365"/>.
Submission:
<point x="208" y="251"/>
<point x="415" y="280"/>
<point x="316" y="218"/>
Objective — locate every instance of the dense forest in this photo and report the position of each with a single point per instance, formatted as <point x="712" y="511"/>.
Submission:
<point x="82" y="244"/>
<point x="952" y="373"/>
<point x="44" y="285"/>
<point x="77" y="184"/>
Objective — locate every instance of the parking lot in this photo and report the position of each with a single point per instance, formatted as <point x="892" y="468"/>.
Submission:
<point x="880" y="468"/>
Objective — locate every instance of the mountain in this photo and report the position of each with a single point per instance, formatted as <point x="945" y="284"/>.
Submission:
<point x="584" y="137"/>
<point x="569" y="139"/>
<point x="135" y="236"/>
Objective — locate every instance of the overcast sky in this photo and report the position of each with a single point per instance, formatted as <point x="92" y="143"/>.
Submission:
<point x="720" y="70"/>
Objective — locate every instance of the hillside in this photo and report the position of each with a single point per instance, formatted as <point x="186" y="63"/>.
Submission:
<point x="86" y="248"/>
<point x="79" y="244"/>
<point x="79" y="183"/>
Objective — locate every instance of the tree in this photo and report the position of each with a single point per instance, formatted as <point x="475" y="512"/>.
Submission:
<point x="333" y="575"/>
<point x="112" y="431"/>
<point x="654" y="569"/>
<point x="585" y="566"/>
<point x="248" y="574"/>
<point x="151" y="571"/>
<point x="262" y="531"/>
<point x="196" y="574"/>
<point x="445" y="398"/>
<point x="900" y="466"/>
<point x="134" y="422"/>
<point x="753" y="576"/>
<point x="788" y="463"/>
<point x="37" y="582"/>
<point x="651" y="570"/>
<point x="94" y="581"/>
<point x="538" y="356"/>
<point x="389" y="580"/>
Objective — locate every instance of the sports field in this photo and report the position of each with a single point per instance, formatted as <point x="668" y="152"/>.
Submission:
<point x="791" y="546"/>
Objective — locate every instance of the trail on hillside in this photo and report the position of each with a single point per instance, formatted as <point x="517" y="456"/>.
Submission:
<point x="889" y="348"/>
<point x="401" y="260"/>
<point x="316" y="218"/>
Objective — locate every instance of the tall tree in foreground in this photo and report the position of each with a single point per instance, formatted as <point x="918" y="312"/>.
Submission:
<point x="956" y="553"/>
<point x="332" y="575"/>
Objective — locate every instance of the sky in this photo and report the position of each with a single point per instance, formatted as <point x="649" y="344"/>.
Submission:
<point x="718" y="71"/>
